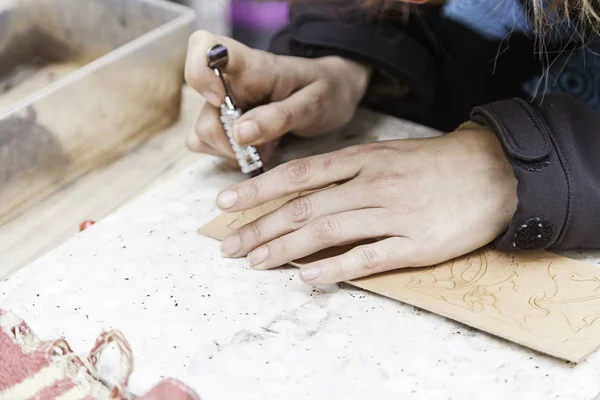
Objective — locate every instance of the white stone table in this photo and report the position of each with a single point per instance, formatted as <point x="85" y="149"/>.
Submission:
<point x="233" y="333"/>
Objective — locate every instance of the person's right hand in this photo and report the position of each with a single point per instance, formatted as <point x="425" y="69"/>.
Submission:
<point x="306" y="96"/>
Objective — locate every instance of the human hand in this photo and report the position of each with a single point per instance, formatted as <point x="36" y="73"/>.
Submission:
<point x="427" y="200"/>
<point x="306" y="96"/>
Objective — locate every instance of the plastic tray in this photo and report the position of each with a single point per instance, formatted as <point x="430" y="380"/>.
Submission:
<point x="81" y="83"/>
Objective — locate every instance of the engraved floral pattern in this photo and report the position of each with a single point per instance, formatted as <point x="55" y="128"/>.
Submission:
<point x="548" y="301"/>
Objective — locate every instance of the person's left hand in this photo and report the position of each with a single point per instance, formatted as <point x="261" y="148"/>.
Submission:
<point x="425" y="200"/>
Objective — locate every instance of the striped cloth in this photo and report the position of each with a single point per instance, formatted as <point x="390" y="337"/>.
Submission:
<point x="46" y="370"/>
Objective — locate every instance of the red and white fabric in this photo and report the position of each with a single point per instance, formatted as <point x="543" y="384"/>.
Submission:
<point x="48" y="370"/>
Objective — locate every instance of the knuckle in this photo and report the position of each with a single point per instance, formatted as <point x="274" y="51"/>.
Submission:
<point x="315" y="102"/>
<point x="379" y="150"/>
<point x="352" y="151"/>
<point x="254" y="231"/>
<point x="285" y="115"/>
<point x="338" y="270"/>
<point x="279" y="248"/>
<point x="389" y="180"/>
<point x="250" y="190"/>
<point x="300" y="209"/>
<point x="324" y="87"/>
<point x="327" y="229"/>
<point x="250" y="89"/>
<point x="390" y="251"/>
<point x="298" y="171"/>
<point x="368" y="258"/>
<point x="381" y="146"/>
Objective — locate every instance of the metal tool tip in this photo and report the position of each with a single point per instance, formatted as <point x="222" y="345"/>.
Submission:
<point x="217" y="56"/>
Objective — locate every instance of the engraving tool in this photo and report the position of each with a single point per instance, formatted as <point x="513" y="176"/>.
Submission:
<point x="247" y="157"/>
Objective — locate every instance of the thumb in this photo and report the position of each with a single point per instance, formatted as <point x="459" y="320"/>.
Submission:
<point x="269" y="122"/>
<point x="200" y="76"/>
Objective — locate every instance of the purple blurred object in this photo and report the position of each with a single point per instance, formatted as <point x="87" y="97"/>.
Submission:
<point x="262" y="15"/>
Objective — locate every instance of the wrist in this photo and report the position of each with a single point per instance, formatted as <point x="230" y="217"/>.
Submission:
<point x="495" y="167"/>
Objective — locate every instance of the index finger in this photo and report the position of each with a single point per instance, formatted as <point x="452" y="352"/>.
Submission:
<point x="197" y="72"/>
<point x="310" y="173"/>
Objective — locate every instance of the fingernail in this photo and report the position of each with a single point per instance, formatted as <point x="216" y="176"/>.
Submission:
<point x="227" y="199"/>
<point x="310" y="273"/>
<point x="212" y="98"/>
<point x="246" y="132"/>
<point x="259" y="255"/>
<point x="231" y="245"/>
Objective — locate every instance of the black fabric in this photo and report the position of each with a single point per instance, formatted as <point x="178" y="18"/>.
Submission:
<point x="454" y="74"/>
<point x="476" y="74"/>
<point x="526" y="139"/>
<point x="383" y="43"/>
<point x="448" y="67"/>
<point x="553" y="148"/>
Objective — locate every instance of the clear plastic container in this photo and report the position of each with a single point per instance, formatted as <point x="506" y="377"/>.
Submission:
<point x="82" y="82"/>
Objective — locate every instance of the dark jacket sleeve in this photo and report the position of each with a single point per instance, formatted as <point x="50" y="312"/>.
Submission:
<point x="554" y="148"/>
<point x="397" y="44"/>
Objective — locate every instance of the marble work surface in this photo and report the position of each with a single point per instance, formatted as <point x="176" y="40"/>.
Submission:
<point x="234" y="333"/>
